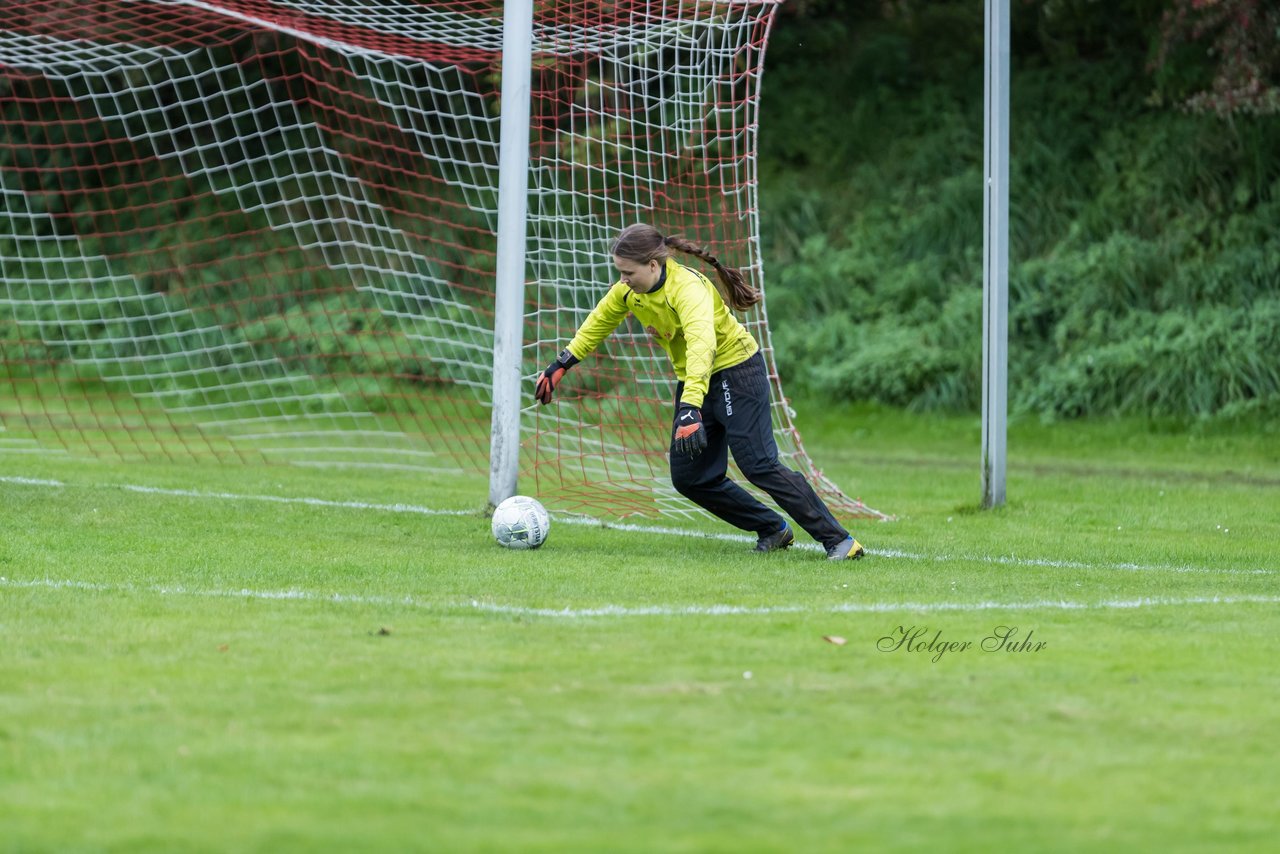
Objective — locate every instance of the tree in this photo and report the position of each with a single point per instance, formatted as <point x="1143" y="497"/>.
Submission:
<point x="1235" y="43"/>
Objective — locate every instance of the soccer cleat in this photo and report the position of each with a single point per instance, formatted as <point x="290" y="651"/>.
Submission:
<point x="849" y="549"/>
<point x="776" y="542"/>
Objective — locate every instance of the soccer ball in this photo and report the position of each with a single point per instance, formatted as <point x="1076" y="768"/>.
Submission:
<point x="521" y="522"/>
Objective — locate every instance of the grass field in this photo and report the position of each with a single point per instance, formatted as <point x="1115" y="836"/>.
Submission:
<point x="192" y="663"/>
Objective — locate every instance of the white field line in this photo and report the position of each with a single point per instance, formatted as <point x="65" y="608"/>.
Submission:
<point x="275" y="499"/>
<point x="642" y="610"/>
<point x="312" y="502"/>
<point x="31" y="481"/>
<point x="1004" y="560"/>
<point x="1010" y="560"/>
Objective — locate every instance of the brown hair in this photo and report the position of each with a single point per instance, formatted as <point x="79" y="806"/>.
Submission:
<point x="644" y="243"/>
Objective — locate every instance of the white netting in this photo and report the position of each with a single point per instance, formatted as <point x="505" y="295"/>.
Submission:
<point x="256" y="229"/>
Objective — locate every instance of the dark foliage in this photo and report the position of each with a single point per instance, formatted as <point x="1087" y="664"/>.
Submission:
<point x="1145" y="268"/>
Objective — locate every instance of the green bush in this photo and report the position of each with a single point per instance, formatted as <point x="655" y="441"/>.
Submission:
<point x="1145" y="260"/>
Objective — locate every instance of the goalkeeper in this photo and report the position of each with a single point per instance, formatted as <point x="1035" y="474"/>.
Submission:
<point x="722" y="398"/>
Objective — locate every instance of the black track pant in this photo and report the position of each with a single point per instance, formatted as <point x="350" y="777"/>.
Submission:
<point x="736" y="416"/>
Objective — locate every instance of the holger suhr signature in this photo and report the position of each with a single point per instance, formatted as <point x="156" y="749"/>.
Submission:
<point x="920" y="639"/>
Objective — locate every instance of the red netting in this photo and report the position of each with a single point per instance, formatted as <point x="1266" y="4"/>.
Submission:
<point x="254" y="230"/>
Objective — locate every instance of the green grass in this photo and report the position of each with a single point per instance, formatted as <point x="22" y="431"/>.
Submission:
<point x="201" y="673"/>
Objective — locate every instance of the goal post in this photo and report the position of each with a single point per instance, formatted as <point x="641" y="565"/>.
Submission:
<point x="513" y="210"/>
<point x="281" y="231"/>
<point x="995" y="256"/>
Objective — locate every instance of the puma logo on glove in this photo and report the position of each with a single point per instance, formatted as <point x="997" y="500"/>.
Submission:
<point x="691" y="436"/>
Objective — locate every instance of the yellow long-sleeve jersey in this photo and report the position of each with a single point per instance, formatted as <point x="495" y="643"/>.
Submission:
<point x="688" y="319"/>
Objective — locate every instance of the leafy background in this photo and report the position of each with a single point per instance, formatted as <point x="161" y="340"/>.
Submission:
<point x="1145" y="252"/>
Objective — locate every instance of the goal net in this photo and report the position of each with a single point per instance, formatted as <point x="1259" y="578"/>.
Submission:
<point x="264" y="230"/>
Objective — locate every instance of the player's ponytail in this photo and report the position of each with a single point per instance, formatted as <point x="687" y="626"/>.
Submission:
<point x="735" y="290"/>
<point x="644" y="243"/>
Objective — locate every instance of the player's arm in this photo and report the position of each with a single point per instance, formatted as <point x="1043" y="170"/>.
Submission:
<point x="599" y="325"/>
<point x="693" y="304"/>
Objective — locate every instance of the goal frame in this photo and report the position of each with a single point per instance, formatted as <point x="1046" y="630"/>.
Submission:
<point x="513" y="209"/>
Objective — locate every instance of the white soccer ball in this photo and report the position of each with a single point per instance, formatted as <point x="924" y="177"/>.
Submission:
<point x="521" y="522"/>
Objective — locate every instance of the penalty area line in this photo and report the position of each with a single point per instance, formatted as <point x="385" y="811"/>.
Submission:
<point x="622" y="611"/>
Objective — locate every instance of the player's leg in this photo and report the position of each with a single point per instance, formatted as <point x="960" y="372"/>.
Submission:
<point x="702" y="479"/>
<point x="741" y="396"/>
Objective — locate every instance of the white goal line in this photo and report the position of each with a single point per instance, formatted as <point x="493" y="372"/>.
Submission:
<point x="606" y="611"/>
<point x="1004" y="560"/>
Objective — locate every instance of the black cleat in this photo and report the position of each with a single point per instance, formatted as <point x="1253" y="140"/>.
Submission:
<point x="849" y="549"/>
<point x="776" y="542"/>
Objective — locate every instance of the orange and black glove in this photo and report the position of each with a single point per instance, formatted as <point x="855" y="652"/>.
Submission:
<point x="552" y="375"/>
<point x="691" y="436"/>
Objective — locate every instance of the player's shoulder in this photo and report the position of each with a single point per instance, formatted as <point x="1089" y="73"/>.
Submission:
<point x="687" y="277"/>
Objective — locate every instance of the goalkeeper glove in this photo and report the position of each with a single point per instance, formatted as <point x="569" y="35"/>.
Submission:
<point x="551" y="376"/>
<point x="691" y="436"/>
